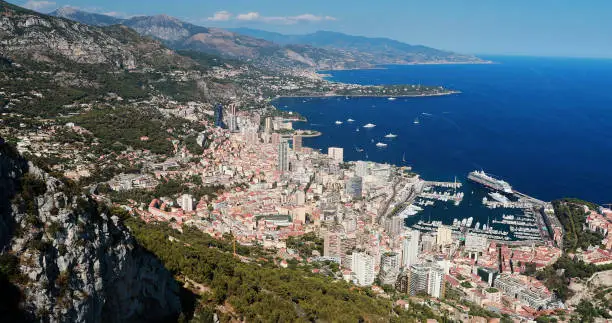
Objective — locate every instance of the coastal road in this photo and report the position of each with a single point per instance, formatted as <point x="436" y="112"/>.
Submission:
<point x="385" y="207"/>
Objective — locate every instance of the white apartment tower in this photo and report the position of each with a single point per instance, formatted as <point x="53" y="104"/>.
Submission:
<point x="363" y="268"/>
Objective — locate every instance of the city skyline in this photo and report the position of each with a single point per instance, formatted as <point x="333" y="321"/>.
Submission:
<point x="543" y="28"/>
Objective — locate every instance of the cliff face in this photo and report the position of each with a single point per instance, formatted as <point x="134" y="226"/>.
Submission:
<point x="76" y="262"/>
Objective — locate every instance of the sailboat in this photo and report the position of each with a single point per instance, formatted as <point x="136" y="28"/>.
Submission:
<point x="404" y="157"/>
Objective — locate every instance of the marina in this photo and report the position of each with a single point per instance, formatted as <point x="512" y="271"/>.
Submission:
<point x="521" y="221"/>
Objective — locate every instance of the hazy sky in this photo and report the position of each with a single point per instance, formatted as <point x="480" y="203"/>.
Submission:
<point x="526" y="27"/>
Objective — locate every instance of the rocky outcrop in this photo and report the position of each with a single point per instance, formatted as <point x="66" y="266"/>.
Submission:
<point x="29" y="36"/>
<point x="77" y="261"/>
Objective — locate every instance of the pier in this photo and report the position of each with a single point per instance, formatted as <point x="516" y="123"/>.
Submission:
<point x="454" y="185"/>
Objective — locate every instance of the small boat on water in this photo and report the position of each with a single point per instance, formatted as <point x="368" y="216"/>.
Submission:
<point x="350" y="120"/>
<point x="381" y="145"/>
<point x="391" y="99"/>
<point x="426" y="114"/>
<point x="338" y="122"/>
<point x="369" y="125"/>
<point x="359" y="150"/>
<point x="416" y="121"/>
<point x="357" y="130"/>
<point x="390" y="135"/>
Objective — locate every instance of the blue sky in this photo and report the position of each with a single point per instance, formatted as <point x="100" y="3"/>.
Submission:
<point x="523" y="27"/>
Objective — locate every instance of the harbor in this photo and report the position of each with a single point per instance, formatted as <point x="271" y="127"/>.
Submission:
<point x="496" y="211"/>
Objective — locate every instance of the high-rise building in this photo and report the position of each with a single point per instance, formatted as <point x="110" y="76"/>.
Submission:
<point x="336" y="153"/>
<point x="444" y="235"/>
<point x="297" y="143"/>
<point x="276" y="138"/>
<point x="362" y="266"/>
<point x="435" y="282"/>
<point x="219" y="116"/>
<point x="410" y="248"/>
<point x="268" y="125"/>
<point x="354" y="187"/>
<point x="402" y="284"/>
<point x="300" y="197"/>
<point x="283" y="156"/>
<point x="232" y="122"/>
<point x="390" y="260"/>
<point x="389" y="268"/>
<point x="186" y="202"/>
<point x="361" y="168"/>
<point x="428" y="242"/>
<point x="395" y="225"/>
<point x="418" y="278"/>
<point x="332" y="245"/>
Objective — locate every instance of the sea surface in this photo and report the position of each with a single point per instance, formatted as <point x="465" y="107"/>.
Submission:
<point x="542" y="124"/>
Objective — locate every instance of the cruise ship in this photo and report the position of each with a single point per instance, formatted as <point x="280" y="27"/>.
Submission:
<point x="369" y="125"/>
<point x="483" y="178"/>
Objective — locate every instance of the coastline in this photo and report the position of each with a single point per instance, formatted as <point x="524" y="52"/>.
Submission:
<point x="383" y="66"/>
<point x="335" y="95"/>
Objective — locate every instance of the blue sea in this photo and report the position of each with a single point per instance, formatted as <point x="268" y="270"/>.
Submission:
<point x="542" y="124"/>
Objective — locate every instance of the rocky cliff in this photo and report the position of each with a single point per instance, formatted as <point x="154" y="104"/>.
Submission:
<point x="75" y="261"/>
<point x="29" y="36"/>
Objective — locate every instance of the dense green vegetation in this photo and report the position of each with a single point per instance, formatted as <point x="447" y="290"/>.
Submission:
<point x="572" y="216"/>
<point x="167" y="188"/>
<point x="124" y="127"/>
<point x="557" y="276"/>
<point x="261" y="292"/>
<point x="306" y="244"/>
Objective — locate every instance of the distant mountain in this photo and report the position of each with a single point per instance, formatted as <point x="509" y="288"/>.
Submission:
<point x="182" y="35"/>
<point x="320" y="50"/>
<point x="88" y="18"/>
<point x="372" y="50"/>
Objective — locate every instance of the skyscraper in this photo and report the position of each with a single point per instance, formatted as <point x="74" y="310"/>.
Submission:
<point x="186" y="202"/>
<point x="363" y="268"/>
<point x="219" y="116"/>
<point x="268" y="125"/>
<point x="276" y="138"/>
<point x="410" y="248"/>
<point x="297" y="142"/>
<point x="283" y="156"/>
<point x="395" y="225"/>
<point x="361" y="168"/>
<point x="444" y="235"/>
<point x="354" y="187"/>
<point x="332" y="245"/>
<point x="418" y="278"/>
<point x="435" y="282"/>
<point x="336" y="153"/>
<point x="389" y="268"/>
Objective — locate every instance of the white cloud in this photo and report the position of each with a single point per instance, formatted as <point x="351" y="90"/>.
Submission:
<point x="283" y="20"/>
<point x="220" y="16"/>
<point x="39" y="5"/>
<point x="251" y="16"/>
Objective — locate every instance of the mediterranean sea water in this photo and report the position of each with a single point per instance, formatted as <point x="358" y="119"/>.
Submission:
<point x="542" y="124"/>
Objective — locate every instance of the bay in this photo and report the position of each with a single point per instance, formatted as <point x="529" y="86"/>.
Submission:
<point x="542" y="124"/>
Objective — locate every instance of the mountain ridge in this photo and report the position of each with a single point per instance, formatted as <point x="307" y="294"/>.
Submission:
<point x="320" y="50"/>
<point x="376" y="50"/>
